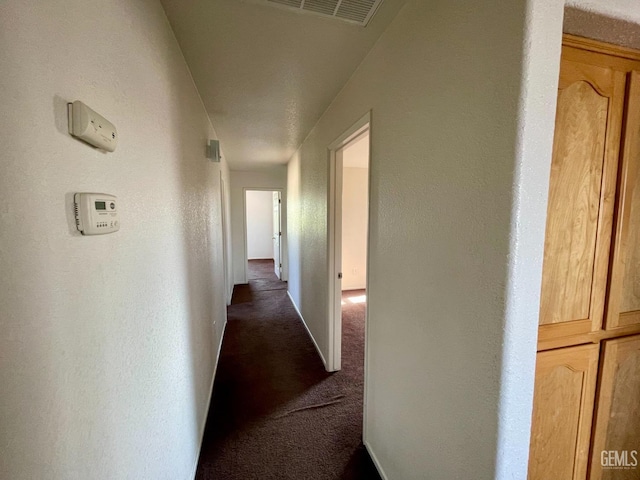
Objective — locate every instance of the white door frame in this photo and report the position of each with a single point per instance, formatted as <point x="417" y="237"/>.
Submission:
<point x="275" y="195"/>
<point x="244" y="226"/>
<point x="334" y="250"/>
<point x="225" y="246"/>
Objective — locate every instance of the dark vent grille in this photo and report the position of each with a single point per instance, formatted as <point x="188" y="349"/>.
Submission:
<point x="290" y="3"/>
<point x="356" y="10"/>
<point x="327" y="7"/>
<point x="352" y="11"/>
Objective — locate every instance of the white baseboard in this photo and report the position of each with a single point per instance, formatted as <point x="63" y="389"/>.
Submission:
<point x="352" y="288"/>
<point x="376" y="462"/>
<point x="308" y="331"/>
<point x="260" y="258"/>
<point x="204" y="420"/>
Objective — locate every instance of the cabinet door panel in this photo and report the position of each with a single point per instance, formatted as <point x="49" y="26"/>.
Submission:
<point x="617" y="424"/>
<point x="581" y="199"/>
<point x="562" y="413"/>
<point x="624" y="291"/>
<point x="574" y="200"/>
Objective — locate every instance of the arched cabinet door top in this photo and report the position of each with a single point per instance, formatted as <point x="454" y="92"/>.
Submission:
<point x="562" y="407"/>
<point x="599" y="78"/>
<point x="581" y="199"/>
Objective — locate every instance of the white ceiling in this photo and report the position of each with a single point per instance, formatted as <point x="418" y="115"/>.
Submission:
<point x="356" y="153"/>
<point x="267" y="74"/>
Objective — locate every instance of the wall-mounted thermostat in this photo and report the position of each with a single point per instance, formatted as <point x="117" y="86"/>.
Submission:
<point x="91" y="127"/>
<point x="96" y="213"/>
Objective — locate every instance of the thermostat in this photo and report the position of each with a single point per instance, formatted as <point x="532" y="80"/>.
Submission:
<point x="96" y="213"/>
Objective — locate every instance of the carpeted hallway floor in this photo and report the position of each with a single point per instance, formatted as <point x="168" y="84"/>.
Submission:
<point x="275" y="412"/>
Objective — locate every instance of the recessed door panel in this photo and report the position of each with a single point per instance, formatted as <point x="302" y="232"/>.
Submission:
<point x="581" y="198"/>
<point x="562" y="413"/>
<point x="617" y="425"/>
<point x="574" y="201"/>
<point x="624" y="290"/>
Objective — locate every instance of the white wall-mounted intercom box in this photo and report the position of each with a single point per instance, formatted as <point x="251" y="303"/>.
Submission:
<point x="96" y="213"/>
<point x="91" y="127"/>
<point x="213" y="151"/>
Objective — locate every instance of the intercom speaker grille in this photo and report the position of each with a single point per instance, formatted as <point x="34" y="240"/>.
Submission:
<point x="352" y="11"/>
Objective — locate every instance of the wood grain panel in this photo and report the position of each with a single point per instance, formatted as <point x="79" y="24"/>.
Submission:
<point x="630" y="301"/>
<point x="552" y="342"/>
<point x="624" y="289"/>
<point x="617" y="424"/>
<point x="574" y="201"/>
<point x="562" y="413"/>
<point x="611" y="53"/>
<point x="598" y="78"/>
<point x="581" y="199"/>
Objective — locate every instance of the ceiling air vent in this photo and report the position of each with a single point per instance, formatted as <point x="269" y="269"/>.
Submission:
<point x="353" y="11"/>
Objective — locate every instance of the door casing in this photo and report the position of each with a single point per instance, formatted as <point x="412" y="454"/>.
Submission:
<point x="334" y="244"/>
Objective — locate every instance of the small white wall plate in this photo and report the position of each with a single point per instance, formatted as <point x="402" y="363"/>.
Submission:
<point x="91" y="127"/>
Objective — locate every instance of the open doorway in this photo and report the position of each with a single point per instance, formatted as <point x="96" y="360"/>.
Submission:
<point x="263" y="226"/>
<point x="348" y="240"/>
<point x="228" y="286"/>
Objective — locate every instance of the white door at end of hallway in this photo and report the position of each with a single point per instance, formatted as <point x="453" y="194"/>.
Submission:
<point x="277" y="233"/>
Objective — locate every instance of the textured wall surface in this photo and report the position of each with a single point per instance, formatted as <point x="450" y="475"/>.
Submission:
<point x="621" y="9"/>
<point x="535" y="126"/>
<point x="463" y="108"/>
<point x="272" y="177"/>
<point x="591" y="24"/>
<point x="108" y="343"/>
<point x="450" y="274"/>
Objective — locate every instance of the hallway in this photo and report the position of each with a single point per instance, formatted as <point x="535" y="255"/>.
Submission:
<point x="275" y="412"/>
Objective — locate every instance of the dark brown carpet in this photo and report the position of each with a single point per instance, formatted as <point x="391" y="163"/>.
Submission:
<point x="262" y="278"/>
<point x="275" y="412"/>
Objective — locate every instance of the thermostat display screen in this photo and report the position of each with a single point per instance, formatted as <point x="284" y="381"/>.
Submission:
<point x="101" y="205"/>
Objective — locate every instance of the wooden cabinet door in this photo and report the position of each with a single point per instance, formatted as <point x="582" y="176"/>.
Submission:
<point x="624" y="291"/>
<point x="617" y="424"/>
<point x="562" y="413"/>
<point x="581" y="198"/>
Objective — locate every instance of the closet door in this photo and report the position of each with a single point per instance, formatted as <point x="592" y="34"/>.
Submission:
<point x="562" y="413"/>
<point x="624" y="293"/>
<point x="581" y="198"/>
<point x="617" y="424"/>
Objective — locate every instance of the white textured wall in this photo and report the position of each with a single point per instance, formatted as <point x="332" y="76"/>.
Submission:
<point x="535" y="126"/>
<point x="461" y="148"/>
<point x="268" y="178"/>
<point x="614" y="22"/>
<point x="108" y="343"/>
<point x="623" y="9"/>
<point x="355" y="211"/>
<point x="259" y="211"/>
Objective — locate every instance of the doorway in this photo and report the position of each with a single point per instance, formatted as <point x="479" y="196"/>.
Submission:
<point x="263" y="227"/>
<point x="349" y="158"/>
<point x="225" y="259"/>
